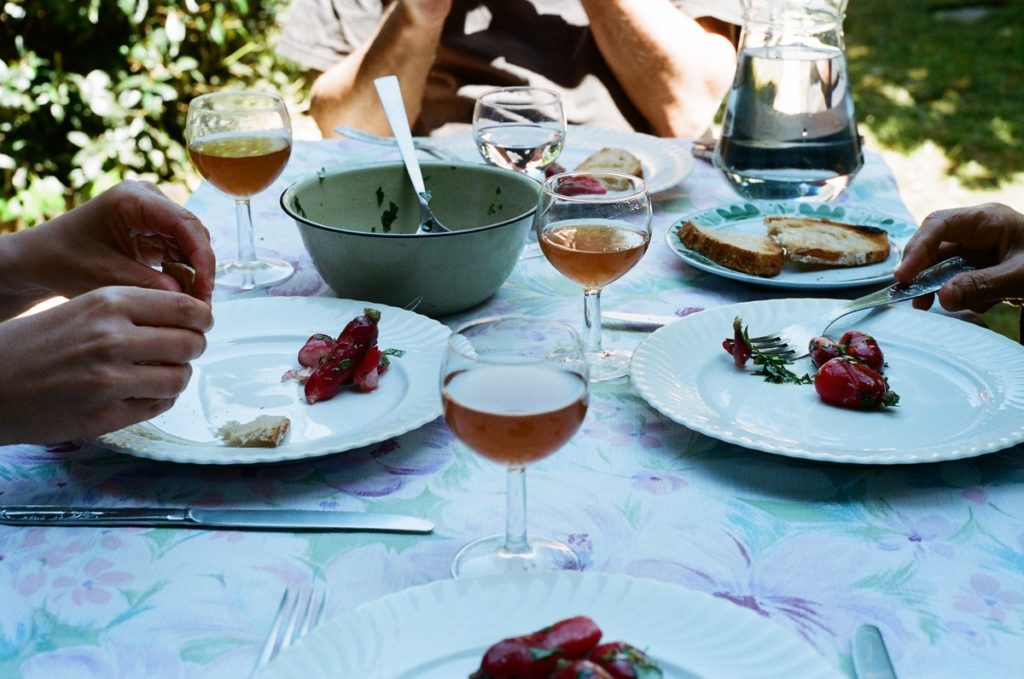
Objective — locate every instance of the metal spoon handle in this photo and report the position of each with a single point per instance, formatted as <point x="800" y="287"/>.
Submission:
<point x="390" y="93"/>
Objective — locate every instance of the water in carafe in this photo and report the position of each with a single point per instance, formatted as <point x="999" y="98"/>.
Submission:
<point x="789" y="130"/>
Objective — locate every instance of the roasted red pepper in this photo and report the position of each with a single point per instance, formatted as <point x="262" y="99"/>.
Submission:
<point x="337" y="368"/>
<point x="624" y="661"/>
<point x="849" y="383"/>
<point x="536" y="655"/>
<point x="863" y="347"/>
<point x="315" y="349"/>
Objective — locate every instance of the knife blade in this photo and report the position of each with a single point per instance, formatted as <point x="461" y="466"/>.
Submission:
<point x="870" y="657"/>
<point x="649" y="321"/>
<point x="189" y="517"/>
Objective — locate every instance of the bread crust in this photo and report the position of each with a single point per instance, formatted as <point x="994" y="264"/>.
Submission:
<point x="749" y="253"/>
<point x="181" y="272"/>
<point x="612" y="159"/>
<point x="811" y="240"/>
<point x="266" y="431"/>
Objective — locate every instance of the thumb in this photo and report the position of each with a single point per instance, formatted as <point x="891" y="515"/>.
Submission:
<point x="979" y="290"/>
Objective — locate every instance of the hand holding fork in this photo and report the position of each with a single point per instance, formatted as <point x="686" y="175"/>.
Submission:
<point x="792" y="341"/>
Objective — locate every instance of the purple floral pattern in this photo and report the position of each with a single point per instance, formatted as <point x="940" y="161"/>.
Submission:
<point x="932" y="554"/>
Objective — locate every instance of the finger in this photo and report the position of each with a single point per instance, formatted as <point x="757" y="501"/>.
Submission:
<point x="146" y="210"/>
<point x="157" y="381"/>
<point x="171" y="346"/>
<point x="924" y="302"/>
<point x="156" y="308"/>
<point x="123" y="413"/>
<point x="979" y="290"/>
<point x="942" y="233"/>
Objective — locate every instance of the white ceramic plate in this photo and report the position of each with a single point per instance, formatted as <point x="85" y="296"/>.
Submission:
<point x="252" y="344"/>
<point x="749" y="217"/>
<point x="961" y="387"/>
<point x="441" y="630"/>
<point x="665" y="163"/>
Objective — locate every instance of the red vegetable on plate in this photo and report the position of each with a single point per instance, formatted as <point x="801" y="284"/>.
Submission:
<point x="315" y="349"/>
<point x="580" y="669"/>
<point x="823" y="349"/>
<point x="339" y="366"/>
<point x="849" y="383"/>
<point x="536" y="655"/>
<point x="625" y="661"/>
<point x="863" y="347"/>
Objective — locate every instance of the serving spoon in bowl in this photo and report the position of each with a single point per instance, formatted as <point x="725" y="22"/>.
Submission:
<point x="390" y="94"/>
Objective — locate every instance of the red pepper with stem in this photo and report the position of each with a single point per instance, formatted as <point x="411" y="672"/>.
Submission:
<point x="337" y="368"/>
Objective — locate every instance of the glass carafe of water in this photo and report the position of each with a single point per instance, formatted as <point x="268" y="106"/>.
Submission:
<point x="789" y="130"/>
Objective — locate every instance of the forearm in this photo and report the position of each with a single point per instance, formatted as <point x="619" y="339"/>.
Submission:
<point x="673" y="71"/>
<point x="345" y="94"/>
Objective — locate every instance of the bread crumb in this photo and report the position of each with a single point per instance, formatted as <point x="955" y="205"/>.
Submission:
<point x="266" y="431"/>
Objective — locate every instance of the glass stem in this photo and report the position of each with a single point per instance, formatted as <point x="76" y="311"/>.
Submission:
<point x="515" y="511"/>
<point x="246" y="242"/>
<point x="592" y="321"/>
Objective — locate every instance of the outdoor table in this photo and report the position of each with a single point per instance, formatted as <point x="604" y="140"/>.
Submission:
<point x="933" y="554"/>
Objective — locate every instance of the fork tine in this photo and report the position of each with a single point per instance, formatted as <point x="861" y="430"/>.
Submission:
<point x="274" y="637"/>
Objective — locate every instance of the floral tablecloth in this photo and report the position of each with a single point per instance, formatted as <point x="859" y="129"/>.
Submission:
<point x="932" y="554"/>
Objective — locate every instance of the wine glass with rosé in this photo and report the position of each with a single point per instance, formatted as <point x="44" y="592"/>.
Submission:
<point x="594" y="227"/>
<point x="519" y="128"/>
<point x="240" y="142"/>
<point x="514" y="390"/>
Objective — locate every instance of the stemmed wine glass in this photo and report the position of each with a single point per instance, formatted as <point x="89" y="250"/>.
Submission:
<point x="594" y="227"/>
<point x="519" y="128"/>
<point x="240" y="142"/>
<point x="515" y="390"/>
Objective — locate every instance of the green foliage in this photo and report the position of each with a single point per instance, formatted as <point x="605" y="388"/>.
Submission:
<point x="933" y="70"/>
<point x="96" y="91"/>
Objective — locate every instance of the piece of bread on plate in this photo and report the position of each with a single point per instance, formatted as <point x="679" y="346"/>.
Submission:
<point x="181" y="272"/>
<point x="266" y="431"/>
<point x="751" y="253"/>
<point x="809" y="240"/>
<point x="610" y="159"/>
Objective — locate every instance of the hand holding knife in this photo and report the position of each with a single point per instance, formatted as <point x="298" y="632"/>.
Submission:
<point x="188" y="517"/>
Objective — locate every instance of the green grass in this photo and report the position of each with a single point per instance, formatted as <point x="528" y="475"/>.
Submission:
<point x="920" y="75"/>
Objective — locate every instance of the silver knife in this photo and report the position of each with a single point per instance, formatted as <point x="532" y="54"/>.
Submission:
<point x="648" y="321"/>
<point x="870" y="657"/>
<point x="188" y="517"/>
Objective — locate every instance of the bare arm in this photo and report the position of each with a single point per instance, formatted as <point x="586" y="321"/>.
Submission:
<point x="673" y="71"/>
<point x="405" y="45"/>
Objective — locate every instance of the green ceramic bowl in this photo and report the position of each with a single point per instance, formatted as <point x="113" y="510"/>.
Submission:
<point x="358" y="224"/>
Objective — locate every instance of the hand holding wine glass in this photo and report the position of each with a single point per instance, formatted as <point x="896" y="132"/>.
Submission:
<point x="594" y="227"/>
<point x="240" y="142"/>
<point x="519" y="128"/>
<point x="515" y="390"/>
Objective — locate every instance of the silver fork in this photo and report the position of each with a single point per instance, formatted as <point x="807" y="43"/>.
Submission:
<point x="792" y="340"/>
<point x="298" y="613"/>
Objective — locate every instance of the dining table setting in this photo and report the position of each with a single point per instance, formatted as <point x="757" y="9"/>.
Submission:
<point x="726" y="525"/>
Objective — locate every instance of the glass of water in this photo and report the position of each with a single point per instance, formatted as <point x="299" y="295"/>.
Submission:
<point x="519" y="128"/>
<point x="789" y="130"/>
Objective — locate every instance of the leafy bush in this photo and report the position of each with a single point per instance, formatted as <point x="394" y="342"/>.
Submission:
<point x="96" y="91"/>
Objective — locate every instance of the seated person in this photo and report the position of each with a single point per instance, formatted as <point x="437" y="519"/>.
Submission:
<point x="118" y="351"/>
<point x="647" y="65"/>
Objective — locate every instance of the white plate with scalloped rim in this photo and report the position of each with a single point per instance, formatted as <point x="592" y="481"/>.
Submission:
<point x="961" y="386"/>
<point x="748" y="217"/>
<point x="441" y="630"/>
<point x="252" y="344"/>
<point x="665" y="162"/>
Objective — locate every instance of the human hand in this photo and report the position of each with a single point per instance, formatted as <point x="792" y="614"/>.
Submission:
<point x="990" y="236"/>
<point x="116" y="239"/>
<point x="96" y="363"/>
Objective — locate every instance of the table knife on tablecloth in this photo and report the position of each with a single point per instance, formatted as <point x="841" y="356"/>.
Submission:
<point x="188" y="517"/>
<point x="639" y="321"/>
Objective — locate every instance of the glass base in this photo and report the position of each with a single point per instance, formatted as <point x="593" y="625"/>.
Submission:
<point x="487" y="556"/>
<point x="608" y="364"/>
<point x="258" y="273"/>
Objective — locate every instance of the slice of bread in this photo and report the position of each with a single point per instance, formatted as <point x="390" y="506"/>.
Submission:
<point x="266" y="431"/>
<point x="808" y="240"/>
<point x="181" y="272"/>
<point x="750" y="253"/>
<point x="611" y="159"/>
